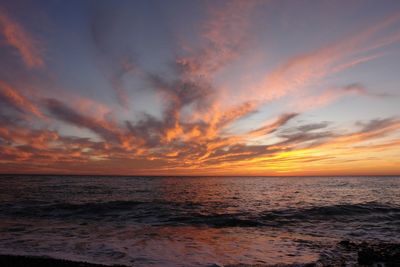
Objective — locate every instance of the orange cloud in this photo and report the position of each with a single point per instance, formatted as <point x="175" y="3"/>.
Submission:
<point x="17" y="37"/>
<point x="12" y="97"/>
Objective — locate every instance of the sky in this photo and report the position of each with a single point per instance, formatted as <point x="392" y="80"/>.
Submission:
<point x="200" y="87"/>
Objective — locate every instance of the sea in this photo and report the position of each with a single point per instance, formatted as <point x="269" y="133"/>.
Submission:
<point x="193" y="221"/>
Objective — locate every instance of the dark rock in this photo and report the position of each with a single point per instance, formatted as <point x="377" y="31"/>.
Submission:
<point x="346" y="244"/>
<point x="27" y="261"/>
<point x="385" y="254"/>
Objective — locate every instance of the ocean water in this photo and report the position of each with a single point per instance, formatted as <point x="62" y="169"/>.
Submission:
<point x="193" y="221"/>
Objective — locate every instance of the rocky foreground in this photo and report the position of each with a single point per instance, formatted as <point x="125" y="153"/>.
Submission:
<point x="346" y="253"/>
<point x="32" y="261"/>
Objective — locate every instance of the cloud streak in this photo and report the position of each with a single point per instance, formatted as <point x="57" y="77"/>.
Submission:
<point x="302" y="70"/>
<point x="16" y="37"/>
<point x="11" y="97"/>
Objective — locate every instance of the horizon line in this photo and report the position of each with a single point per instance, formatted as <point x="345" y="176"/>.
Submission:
<point x="180" y="175"/>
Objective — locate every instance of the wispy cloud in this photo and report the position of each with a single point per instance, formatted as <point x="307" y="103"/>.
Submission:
<point x="225" y="33"/>
<point x="274" y="126"/>
<point x="17" y="37"/>
<point x="303" y="70"/>
<point x="62" y="112"/>
<point x="11" y="97"/>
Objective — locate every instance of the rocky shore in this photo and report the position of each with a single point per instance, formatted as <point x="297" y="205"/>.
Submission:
<point x="33" y="261"/>
<point x="348" y="253"/>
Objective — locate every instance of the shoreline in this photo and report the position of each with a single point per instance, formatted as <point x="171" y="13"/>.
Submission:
<point x="43" y="261"/>
<point x="345" y="252"/>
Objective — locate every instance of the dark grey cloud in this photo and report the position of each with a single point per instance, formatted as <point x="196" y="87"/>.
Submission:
<point x="64" y="113"/>
<point x="274" y="126"/>
<point x="313" y="126"/>
<point x="182" y="92"/>
<point x="377" y="124"/>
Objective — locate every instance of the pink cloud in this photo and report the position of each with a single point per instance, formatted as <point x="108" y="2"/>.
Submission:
<point x="16" y="36"/>
<point x="12" y="97"/>
<point x="309" y="68"/>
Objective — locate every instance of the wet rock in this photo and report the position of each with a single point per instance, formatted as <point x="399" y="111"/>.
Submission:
<point x="384" y="254"/>
<point x="346" y="244"/>
<point x="30" y="261"/>
<point x="349" y="253"/>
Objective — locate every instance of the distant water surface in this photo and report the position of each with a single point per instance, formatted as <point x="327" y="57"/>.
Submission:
<point x="193" y="221"/>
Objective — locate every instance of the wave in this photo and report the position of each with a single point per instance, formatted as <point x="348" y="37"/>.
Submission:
<point x="334" y="212"/>
<point x="368" y="212"/>
<point x="198" y="214"/>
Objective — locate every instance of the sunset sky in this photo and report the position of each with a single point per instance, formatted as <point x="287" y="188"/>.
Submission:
<point x="200" y="87"/>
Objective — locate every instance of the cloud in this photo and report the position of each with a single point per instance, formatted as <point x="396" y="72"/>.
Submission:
<point x="41" y="147"/>
<point x="114" y="60"/>
<point x="379" y="125"/>
<point x="191" y="101"/>
<point x="355" y="62"/>
<point x="327" y="97"/>
<point x="373" y="130"/>
<point x="16" y="37"/>
<point x="11" y="97"/>
<point x="274" y="126"/>
<point x="237" y="112"/>
<point x="181" y="92"/>
<point x="312" y="126"/>
<point x="305" y="69"/>
<point x="67" y="114"/>
<point x="296" y="145"/>
<point x="123" y="68"/>
<point x="307" y="141"/>
<point x="226" y="35"/>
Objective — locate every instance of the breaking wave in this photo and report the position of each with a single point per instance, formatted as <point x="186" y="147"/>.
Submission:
<point x="196" y="214"/>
